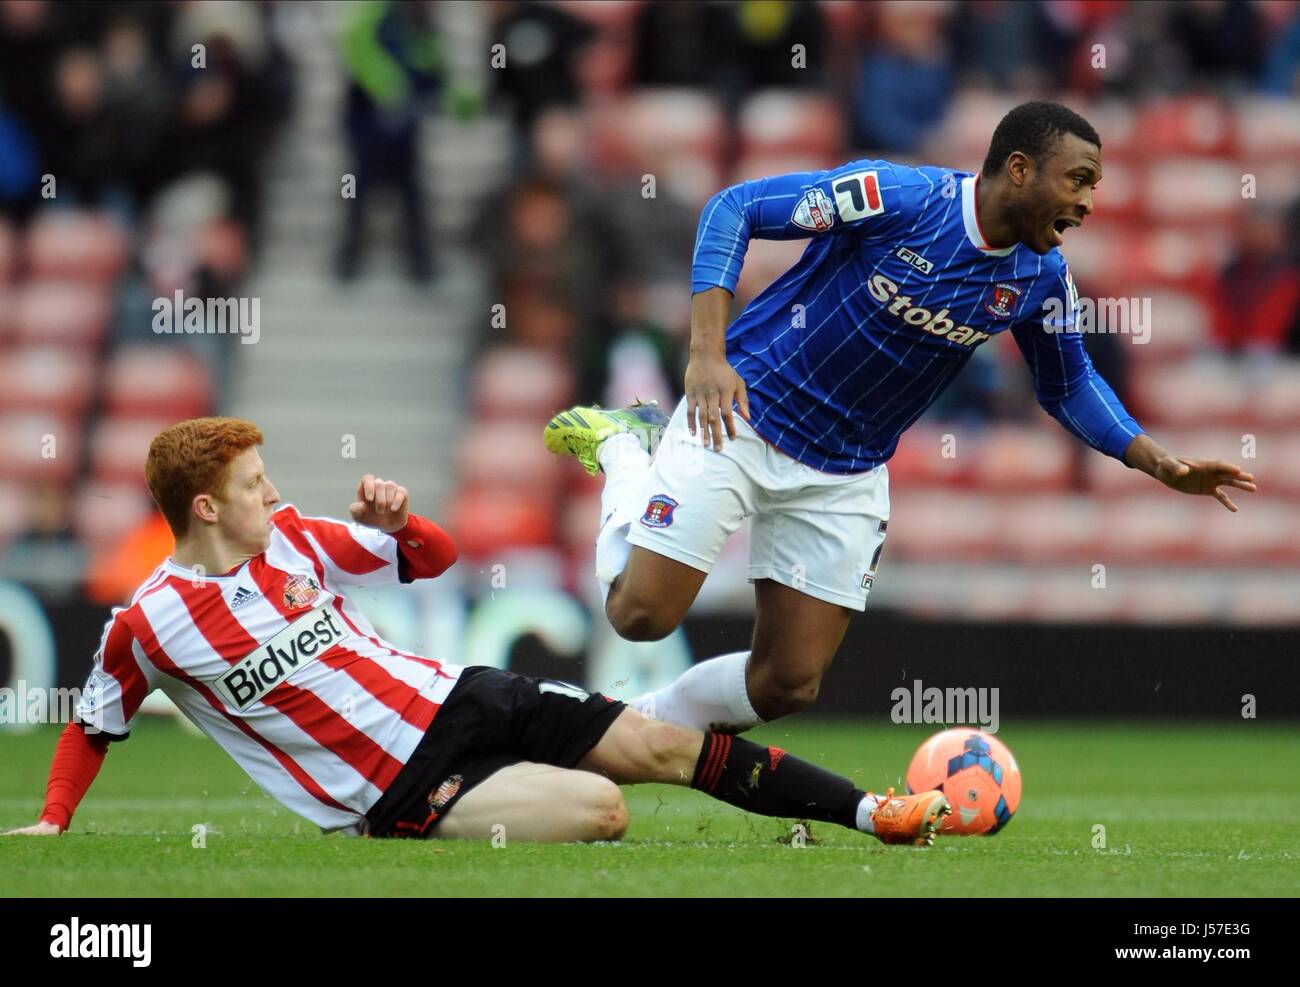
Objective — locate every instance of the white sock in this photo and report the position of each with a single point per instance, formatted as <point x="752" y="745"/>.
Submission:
<point x="625" y="465"/>
<point x="865" y="808"/>
<point x="710" y="695"/>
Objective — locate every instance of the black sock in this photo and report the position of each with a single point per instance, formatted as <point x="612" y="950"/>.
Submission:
<point x="770" y="782"/>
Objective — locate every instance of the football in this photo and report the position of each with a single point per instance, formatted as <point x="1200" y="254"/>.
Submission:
<point x="976" y="771"/>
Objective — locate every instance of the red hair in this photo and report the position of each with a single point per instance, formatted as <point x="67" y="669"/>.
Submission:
<point x="191" y="458"/>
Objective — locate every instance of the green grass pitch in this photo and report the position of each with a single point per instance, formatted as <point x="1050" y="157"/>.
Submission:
<point x="1188" y="810"/>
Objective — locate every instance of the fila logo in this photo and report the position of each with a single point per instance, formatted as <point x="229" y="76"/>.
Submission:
<point x="293" y="648"/>
<point x="915" y="259"/>
<point x="858" y="196"/>
<point x="243" y="595"/>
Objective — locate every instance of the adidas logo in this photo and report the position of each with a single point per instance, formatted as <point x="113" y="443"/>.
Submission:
<point x="243" y="595"/>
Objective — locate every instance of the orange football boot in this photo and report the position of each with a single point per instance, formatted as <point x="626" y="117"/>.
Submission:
<point x="909" y="819"/>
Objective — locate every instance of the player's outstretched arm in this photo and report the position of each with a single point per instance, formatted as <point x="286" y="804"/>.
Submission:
<point x="77" y="760"/>
<point x="1187" y="475"/>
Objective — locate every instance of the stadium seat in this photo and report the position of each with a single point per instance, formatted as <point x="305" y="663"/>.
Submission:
<point x="484" y="521"/>
<point x="1052" y="529"/>
<point x="1276" y="401"/>
<point x="1184" y="126"/>
<point x="658" y="123"/>
<point x="520" y="382"/>
<point x="161" y="381"/>
<point x="919" y="459"/>
<point x="1116" y="123"/>
<point x="766" y="261"/>
<point x="1191" y="394"/>
<point x="102" y="513"/>
<point x="763" y="165"/>
<point x="38" y="447"/>
<point x="782" y="122"/>
<point x="1106" y="477"/>
<point x="1022" y="459"/>
<point x="52" y="379"/>
<point x="1268" y="128"/>
<point x="1262" y="533"/>
<point x="1159" y="528"/>
<point x="1179" y="326"/>
<point x="62" y="313"/>
<point x="1192" y="192"/>
<point x="509" y="454"/>
<point x="119" y="447"/>
<point x="943" y="526"/>
<point x="64" y="244"/>
<point x="962" y="140"/>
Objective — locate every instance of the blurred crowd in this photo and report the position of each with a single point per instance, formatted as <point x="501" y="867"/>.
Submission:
<point x="133" y="138"/>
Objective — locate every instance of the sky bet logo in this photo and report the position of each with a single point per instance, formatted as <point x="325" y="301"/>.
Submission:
<point x="935" y="323"/>
<point x="293" y="648"/>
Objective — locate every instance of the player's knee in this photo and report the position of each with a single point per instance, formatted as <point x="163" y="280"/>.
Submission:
<point x="638" y="620"/>
<point x="666" y="752"/>
<point x="606" y="812"/>
<point x="774" y="697"/>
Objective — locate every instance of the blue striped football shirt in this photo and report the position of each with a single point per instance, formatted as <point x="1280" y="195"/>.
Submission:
<point x="895" y="290"/>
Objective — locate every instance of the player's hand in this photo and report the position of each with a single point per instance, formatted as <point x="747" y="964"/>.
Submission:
<point x="42" y="828"/>
<point x="1204" y="476"/>
<point x="380" y="504"/>
<point x="711" y="387"/>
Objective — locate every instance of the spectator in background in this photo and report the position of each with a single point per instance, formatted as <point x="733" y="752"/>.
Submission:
<point x="1281" y="75"/>
<point x="46" y="555"/>
<point x="541" y="47"/>
<point x="1257" y="301"/>
<point x="114" y="574"/>
<point x="393" y="57"/>
<point x="905" y="79"/>
<point x="1220" y="41"/>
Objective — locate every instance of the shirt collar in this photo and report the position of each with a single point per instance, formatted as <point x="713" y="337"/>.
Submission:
<point x="969" y="185"/>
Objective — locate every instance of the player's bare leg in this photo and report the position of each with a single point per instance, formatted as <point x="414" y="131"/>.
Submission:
<point x="648" y="600"/>
<point x="538" y="802"/>
<point x="763" y="780"/>
<point x="795" y="638"/>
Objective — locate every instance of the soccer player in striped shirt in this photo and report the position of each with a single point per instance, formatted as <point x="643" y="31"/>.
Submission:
<point x="248" y="629"/>
<point x="906" y="272"/>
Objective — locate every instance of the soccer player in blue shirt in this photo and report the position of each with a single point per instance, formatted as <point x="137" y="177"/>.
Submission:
<point x="799" y="403"/>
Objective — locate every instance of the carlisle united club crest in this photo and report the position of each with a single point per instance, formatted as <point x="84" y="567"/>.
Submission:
<point x="659" y="512"/>
<point x="1003" y="300"/>
<point x="300" y="591"/>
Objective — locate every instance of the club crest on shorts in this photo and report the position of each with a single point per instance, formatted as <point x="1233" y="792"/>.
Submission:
<point x="300" y="591"/>
<point x="1003" y="300"/>
<point x="445" y="792"/>
<point x="659" y="512"/>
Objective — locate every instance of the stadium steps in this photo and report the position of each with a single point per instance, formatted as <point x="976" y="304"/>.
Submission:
<point x="380" y="358"/>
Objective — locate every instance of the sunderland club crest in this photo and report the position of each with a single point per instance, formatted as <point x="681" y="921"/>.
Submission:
<point x="300" y="591"/>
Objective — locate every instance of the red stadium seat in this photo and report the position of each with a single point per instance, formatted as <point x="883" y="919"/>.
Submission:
<point x="1192" y="192"/>
<point x="520" y="382"/>
<point x="1276" y="400"/>
<point x="920" y="457"/>
<point x="1022" y="459"/>
<point x="509" y="454"/>
<point x="766" y="261"/>
<point x="1267" y="128"/>
<point x="962" y="140"/>
<point x="651" y="125"/>
<point x="1158" y="529"/>
<point x="1116" y="125"/>
<point x="1261" y="533"/>
<point x="944" y="526"/>
<point x="63" y="313"/>
<point x="484" y="521"/>
<point x="1179" y="326"/>
<point x="1108" y="478"/>
<point x="760" y="165"/>
<point x="162" y="381"/>
<point x="102" y="513"/>
<point x="69" y="245"/>
<point x="119" y="447"/>
<point x="38" y="448"/>
<point x="1184" y="126"/>
<point x="46" y="379"/>
<point x="1191" y="394"/>
<point x="1052" y="529"/>
<point x="780" y="122"/>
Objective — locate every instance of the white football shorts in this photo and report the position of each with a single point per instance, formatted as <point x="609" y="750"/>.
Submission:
<point x="818" y="533"/>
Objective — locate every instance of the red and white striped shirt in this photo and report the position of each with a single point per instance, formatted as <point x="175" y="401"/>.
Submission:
<point x="273" y="663"/>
